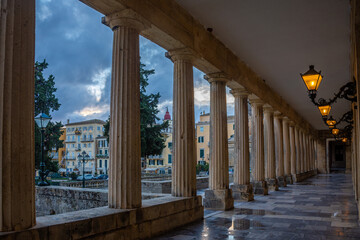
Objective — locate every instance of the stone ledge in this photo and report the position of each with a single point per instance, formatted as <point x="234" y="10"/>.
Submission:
<point x="302" y="176"/>
<point x="155" y="217"/>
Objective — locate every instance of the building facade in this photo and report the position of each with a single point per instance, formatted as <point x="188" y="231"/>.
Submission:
<point x="102" y="155"/>
<point x="162" y="163"/>
<point x="81" y="136"/>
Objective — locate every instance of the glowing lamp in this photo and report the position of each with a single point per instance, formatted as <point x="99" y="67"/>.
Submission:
<point x="324" y="110"/>
<point x="335" y="131"/>
<point x="344" y="139"/>
<point x="312" y="78"/>
<point x="331" y="122"/>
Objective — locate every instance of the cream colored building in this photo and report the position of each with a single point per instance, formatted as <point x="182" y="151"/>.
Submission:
<point x="162" y="163"/>
<point x="203" y="136"/>
<point x="80" y="136"/>
<point x="102" y="155"/>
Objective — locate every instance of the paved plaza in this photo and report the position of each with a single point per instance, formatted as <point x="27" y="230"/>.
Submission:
<point x="322" y="207"/>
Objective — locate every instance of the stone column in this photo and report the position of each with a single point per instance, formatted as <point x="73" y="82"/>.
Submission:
<point x="293" y="150"/>
<point x="287" y="152"/>
<point x="270" y="165"/>
<point x="219" y="196"/>
<point x="298" y="149"/>
<point x="279" y="153"/>
<point x="242" y="189"/>
<point x="257" y="150"/>
<point x="17" y="149"/>
<point x="125" y="158"/>
<point x="301" y="143"/>
<point x="184" y="146"/>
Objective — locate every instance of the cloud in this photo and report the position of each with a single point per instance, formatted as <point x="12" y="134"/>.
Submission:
<point x="44" y="12"/>
<point x="99" y="80"/>
<point x="93" y="111"/>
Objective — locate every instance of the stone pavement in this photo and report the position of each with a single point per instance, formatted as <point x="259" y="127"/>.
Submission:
<point x="322" y="207"/>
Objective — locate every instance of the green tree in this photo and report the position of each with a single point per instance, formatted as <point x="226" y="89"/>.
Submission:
<point x="46" y="102"/>
<point x="152" y="141"/>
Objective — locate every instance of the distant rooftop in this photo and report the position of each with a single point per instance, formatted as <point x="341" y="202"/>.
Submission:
<point x="92" y="121"/>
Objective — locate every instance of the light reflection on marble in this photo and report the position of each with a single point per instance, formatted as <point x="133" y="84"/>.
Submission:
<point x="322" y="207"/>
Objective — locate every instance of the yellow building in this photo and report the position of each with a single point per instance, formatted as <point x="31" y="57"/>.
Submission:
<point x="162" y="163"/>
<point x="203" y="138"/>
<point x="80" y="136"/>
<point x="58" y="155"/>
<point x="102" y="155"/>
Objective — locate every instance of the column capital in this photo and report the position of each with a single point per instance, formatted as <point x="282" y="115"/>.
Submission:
<point x="239" y="92"/>
<point x="216" y="77"/>
<point x="291" y="123"/>
<point x="268" y="109"/>
<point x="126" y="18"/>
<point x="255" y="101"/>
<point x="277" y="114"/>
<point x="186" y="54"/>
<point x="286" y="119"/>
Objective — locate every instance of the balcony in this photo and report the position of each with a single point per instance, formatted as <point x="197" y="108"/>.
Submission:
<point x="87" y="139"/>
<point x="77" y="149"/>
<point x="102" y="155"/>
<point x="70" y="141"/>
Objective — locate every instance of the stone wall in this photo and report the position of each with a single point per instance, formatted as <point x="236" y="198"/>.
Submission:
<point x="57" y="199"/>
<point x="88" y="184"/>
<point x="164" y="186"/>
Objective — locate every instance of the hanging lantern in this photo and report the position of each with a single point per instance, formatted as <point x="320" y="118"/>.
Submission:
<point x="344" y="140"/>
<point x="312" y="79"/>
<point x="331" y="122"/>
<point x="335" y="131"/>
<point x="324" y="110"/>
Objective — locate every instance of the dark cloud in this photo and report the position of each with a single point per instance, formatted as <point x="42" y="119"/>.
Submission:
<point x="78" y="49"/>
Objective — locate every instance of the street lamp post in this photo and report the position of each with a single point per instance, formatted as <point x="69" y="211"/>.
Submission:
<point x="42" y="120"/>
<point x="83" y="157"/>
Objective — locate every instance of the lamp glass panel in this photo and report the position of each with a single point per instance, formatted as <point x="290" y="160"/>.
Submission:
<point x="324" y="110"/>
<point x="330" y="122"/>
<point x="312" y="81"/>
<point x="344" y="140"/>
<point x="335" y="131"/>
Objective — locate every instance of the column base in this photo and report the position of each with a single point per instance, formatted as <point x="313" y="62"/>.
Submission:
<point x="219" y="199"/>
<point x="281" y="181"/>
<point x="272" y="184"/>
<point x="289" y="179"/>
<point x="260" y="187"/>
<point x="242" y="192"/>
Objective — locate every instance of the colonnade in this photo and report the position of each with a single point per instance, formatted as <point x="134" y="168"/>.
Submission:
<point x="274" y="161"/>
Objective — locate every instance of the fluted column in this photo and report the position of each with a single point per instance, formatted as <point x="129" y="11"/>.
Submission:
<point x="242" y="189"/>
<point x="279" y="149"/>
<point x="270" y="165"/>
<point x="219" y="196"/>
<point x="301" y="143"/>
<point x="257" y="150"/>
<point x="293" y="154"/>
<point x="298" y="149"/>
<point x="184" y="146"/>
<point x="17" y="149"/>
<point x="125" y="158"/>
<point x="287" y="152"/>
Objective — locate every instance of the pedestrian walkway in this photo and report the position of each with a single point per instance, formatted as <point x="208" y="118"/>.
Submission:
<point x="322" y="207"/>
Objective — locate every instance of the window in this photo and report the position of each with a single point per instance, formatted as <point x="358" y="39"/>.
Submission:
<point x="233" y="126"/>
<point x="100" y="163"/>
<point x="73" y="138"/>
<point x="90" y="128"/>
<point x="90" y="136"/>
<point x="73" y="145"/>
<point x="90" y="154"/>
<point x="68" y="138"/>
<point x="151" y="162"/>
<point x="89" y="145"/>
<point x="100" y="143"/>
<point x="98" y="128"/>
<point x="73" y="163"/>
<point x="201" y="129"/>
<point x="106" y="152"/>
<point x="200" y="139"/>
<point x="105" y="164"/>
<point x="160" y="162"/>
<point x="79" y="138"/>
<point x="202" y="153"/>
<point x="68" y="163"/>
<point x="84" y="145"/>
<point x="100" y="152"/>
<point x="73" y="155"/>
<point x="169" y="158"/>
<point x="79" y="145"/>
<point x="169" y="144"/>
<point x="84" y="128"/>
<point x="105" y="143"/>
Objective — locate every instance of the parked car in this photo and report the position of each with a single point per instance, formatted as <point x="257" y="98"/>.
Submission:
<point x="86" y="176"/>
<point x="101" y="176"/>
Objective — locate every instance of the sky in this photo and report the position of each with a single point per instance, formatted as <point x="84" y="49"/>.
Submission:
<point x="78" y="49"/>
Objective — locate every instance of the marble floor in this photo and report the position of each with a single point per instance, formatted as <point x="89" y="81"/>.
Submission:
<point x="322" y="207"/>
